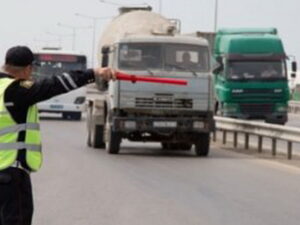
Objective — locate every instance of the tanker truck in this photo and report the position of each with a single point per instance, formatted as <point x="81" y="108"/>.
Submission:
<point x="144" y="43"/>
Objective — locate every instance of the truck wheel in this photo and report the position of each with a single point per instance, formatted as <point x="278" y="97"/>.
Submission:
<point x="202" y="145"/>
<point x="113" y="142"/>
<point x="96" y="137"/>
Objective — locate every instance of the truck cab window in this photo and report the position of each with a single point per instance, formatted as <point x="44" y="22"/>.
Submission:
<point x="140" y="56"/>
<point x="258" y="70"/>
<point x="164" y="56"/>
<point x="186" y="57"/>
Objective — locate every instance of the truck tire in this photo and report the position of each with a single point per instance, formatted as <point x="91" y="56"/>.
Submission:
<point x="202" y="145"/>
<point x="95" y="137"/>
<point x="113" y="142"/>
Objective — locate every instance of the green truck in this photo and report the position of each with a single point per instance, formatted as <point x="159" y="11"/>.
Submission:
<point x="251" y="77"/>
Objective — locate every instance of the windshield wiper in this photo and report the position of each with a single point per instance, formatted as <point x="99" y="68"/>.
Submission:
<point x="183" y="68"/>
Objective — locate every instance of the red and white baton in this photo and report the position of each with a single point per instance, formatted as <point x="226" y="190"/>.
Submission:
<point x="134" y="78"/>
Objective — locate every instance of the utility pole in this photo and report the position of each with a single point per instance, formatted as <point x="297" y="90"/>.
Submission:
<point x="216" y="16"/>
<point x="73" y="28"/>
<point x="59" y="37"/>
<point x="159" y="6"/>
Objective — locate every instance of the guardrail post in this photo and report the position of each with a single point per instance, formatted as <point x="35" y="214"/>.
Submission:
<point x="246" y="141"/>
<point x="290" y="146"/>
<point x="260" y="142"/>
<point x="235" y="138"/>
<point x="224" y="136"/>
<point x="273" y="146"/>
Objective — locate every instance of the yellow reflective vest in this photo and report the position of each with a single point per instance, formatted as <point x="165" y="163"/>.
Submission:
<point x="9" y="132"/>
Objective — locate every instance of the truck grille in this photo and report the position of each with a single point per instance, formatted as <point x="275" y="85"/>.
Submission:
<point x="163" y="101"/>
<point x="257" y="93"/>
<point x="257" y="108"/>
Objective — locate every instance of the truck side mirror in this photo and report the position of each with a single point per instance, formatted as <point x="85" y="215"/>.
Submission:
<point x="102" y="84"/>
<point x="294" y="66"/>
<point x="218" y="66"/>
<point x="105" y="54"/>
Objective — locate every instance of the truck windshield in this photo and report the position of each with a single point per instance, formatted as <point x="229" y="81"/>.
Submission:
<point x="49" y="66"/>
<point x="256" y="70"/>
<point x="162" y="56"/>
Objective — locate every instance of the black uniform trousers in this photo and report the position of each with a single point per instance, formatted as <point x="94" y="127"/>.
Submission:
<point x="16" y="202"/>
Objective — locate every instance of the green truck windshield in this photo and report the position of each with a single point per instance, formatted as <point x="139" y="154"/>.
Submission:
<point x="256" y="70"/>
<point x="161" y="56"/>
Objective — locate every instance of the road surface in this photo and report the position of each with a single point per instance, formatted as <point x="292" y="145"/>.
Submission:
<point x="146" y="186"/>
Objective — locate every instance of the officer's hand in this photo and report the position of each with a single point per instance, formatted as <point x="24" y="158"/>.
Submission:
<point x="105" y="73"/>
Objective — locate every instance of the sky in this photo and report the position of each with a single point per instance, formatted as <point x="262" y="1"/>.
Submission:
<point x="35" y="22"/>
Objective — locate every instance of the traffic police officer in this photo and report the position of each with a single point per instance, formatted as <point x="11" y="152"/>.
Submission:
<point x="20" y="139"/>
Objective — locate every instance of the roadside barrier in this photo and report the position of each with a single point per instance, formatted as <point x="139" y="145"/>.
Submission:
<point x="261" y="130"/>
<point x="294" y="107"/>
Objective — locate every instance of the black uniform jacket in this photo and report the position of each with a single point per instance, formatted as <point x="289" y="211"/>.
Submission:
<point x="21" y="94"/>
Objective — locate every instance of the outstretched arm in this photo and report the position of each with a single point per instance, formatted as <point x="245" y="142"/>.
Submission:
<point x="26" y="92"/>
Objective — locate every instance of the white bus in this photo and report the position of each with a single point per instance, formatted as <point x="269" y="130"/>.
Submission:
<point x="56" y="61"/>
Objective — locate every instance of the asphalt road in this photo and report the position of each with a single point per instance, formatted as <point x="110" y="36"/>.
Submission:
<point x="146" y="186"/>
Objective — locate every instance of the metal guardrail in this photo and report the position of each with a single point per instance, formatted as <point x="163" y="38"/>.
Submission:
<point x="261" y="130"/>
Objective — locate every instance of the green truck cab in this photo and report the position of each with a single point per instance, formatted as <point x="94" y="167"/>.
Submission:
<point x="251" y="79"/>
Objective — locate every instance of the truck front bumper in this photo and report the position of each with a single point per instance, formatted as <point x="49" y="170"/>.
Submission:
<point x="266" y="111"/>
<point x="153" y="125"/>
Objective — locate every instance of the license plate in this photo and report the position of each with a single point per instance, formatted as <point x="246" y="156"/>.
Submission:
<point x="169" y="124"/>
<point x="56" y="106"/>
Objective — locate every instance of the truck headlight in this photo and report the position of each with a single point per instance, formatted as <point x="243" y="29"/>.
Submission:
<point x="229" y="107"/>
<point x="130" y="124"/>
<point x="281" y="108"/>
<point x="198" y="124"/>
